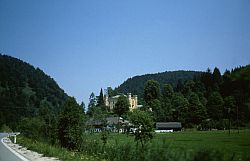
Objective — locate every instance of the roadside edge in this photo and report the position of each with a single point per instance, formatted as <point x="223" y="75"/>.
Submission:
<point x="13" y="151"/>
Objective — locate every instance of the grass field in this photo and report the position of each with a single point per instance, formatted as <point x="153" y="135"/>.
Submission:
<point x="190" y="145"/>
<point x="233" y="145"/>
<point x="217" y="140"/>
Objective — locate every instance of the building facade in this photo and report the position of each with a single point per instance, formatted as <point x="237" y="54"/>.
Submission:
<point x="111" y="101"/>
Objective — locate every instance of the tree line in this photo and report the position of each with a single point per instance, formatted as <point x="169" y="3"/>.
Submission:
<point x="209" y="101"/>
<point x="136" y="84"/>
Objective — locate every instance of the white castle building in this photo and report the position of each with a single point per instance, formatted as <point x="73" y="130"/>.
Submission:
<point x="111" y="101"/>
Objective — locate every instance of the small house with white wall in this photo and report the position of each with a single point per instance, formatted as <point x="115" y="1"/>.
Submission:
<point x="168" y="126"/>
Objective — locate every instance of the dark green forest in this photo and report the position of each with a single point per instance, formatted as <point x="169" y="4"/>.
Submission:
<point x="25" y="91"/>
<point x="136" y="84"/>
<point x="205" y="100"/>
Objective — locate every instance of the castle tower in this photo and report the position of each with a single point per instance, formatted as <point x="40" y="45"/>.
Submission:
<point x="136" y="101"/>
<point x="106" y="97"/>
<point x="130" y="100"/>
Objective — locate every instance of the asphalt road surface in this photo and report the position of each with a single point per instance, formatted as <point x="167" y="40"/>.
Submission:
<point x="5" y="153"/>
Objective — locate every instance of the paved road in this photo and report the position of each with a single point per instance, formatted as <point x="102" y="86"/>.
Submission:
<point x="5" y="153"/>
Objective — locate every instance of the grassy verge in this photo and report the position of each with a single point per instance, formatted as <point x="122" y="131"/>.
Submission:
<point x="53" y="151"/>
<point x="190" y="146"/>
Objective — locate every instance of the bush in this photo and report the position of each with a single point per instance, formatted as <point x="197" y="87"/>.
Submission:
<point x="143" y="123"/>
<point x="70" y="125"/>
<point x="32" y="127"/>
<point x="5" y="128"/>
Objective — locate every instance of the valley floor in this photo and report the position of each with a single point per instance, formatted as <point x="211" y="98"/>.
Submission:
<point x="188" y="145"/>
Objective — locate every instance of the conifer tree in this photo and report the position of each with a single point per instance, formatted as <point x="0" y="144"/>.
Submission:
<point x="217" y="79"/>
<point x="215" y="106"/>
<point x="197" y="112"/>
<point x="100" y="102"/>
<point x="92" y="104"/>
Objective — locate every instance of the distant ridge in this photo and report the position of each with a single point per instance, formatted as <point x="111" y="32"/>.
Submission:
<point x="135" y="85"/>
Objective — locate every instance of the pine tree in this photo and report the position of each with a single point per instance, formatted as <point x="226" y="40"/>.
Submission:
<point x="92" y="104"/>
<point x="217" y="76"/>
<point x="230" y="110"/>
<point x="196" y="111"/>
<point x="180" y="106"/>
<point x="100" y="101"/>
<point x="83" y="106"/>
<point x="215" y="106"/>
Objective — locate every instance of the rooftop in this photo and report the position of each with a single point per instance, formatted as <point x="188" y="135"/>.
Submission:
<point x="168" y="125"/>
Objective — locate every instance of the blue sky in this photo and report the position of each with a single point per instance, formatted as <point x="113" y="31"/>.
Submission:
<point x="86" y="45"/>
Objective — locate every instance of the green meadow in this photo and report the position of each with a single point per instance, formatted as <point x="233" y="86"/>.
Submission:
<point x="189" y="145"/>
<point x="238" y="144"/>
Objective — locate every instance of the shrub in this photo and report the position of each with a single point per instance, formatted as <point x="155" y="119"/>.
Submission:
<point x="143" y="123"/>
<point x="70" y="125"/>
<point x="5" y="128"/>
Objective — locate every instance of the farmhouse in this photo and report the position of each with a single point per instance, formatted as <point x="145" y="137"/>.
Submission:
<point x="168" y="126"/>
<point x="110" y="123"/>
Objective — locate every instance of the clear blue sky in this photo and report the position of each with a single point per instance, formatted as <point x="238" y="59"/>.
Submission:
<point x="88" y="44"/>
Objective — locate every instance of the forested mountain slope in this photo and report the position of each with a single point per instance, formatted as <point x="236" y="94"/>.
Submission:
<point x="25" y="89"/>
<point x="136" y="84"/>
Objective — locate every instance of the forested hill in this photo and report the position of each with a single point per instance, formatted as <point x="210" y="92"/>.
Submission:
<point x="24" y="90"/>
<point x="136" y="84"/>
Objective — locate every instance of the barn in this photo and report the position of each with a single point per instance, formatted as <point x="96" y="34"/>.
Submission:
<point x="168" y="126"/>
